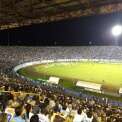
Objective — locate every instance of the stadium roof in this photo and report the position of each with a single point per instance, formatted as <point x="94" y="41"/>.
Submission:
<point x="16" y="13"/>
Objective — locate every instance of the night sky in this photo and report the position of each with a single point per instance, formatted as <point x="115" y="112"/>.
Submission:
<point x="91" y="30"/>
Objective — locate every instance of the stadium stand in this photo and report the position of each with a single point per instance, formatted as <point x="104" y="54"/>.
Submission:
<point x="22" y="99"/>
<point x="12" y="56"/>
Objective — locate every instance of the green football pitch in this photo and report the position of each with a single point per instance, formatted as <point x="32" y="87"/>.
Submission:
<point x="107" y="74"/>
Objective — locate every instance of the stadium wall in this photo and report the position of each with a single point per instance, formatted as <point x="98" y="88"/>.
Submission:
<point x="18" y="67"/>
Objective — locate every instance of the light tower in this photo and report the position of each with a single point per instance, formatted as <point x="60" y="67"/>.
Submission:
<point x="116" y="32"/>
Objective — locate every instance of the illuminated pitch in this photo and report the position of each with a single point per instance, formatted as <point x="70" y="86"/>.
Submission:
<point x="107" y="74"/>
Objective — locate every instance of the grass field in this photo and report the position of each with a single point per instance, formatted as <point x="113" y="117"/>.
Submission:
<point x="108" y="74"/>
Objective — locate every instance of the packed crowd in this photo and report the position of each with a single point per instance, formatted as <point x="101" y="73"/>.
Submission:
<point x="12" y="56"/>
<point x="24" y="101"/>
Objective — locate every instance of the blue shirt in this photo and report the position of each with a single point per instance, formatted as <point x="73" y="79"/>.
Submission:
<point x="17" y="119"/>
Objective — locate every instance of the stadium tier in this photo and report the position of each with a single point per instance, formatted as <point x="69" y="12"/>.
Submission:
<point x="60" y="61"/>
<point x="17" y="55"/>
<point x="50" y="101"/>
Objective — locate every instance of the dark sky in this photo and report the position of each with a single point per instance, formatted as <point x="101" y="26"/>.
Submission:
<point x="92" y="30"/>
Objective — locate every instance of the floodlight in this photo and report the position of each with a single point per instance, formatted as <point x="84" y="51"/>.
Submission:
<point x="117" y="30"/>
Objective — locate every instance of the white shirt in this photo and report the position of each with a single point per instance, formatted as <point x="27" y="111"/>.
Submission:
<point x="78" y="118"/>
<point x="43" y="118"/>
<point x="30" y="115"/>
<point x="64" y="112"/>
<point x="52" y="103"/>
<point x="88" y="119"/>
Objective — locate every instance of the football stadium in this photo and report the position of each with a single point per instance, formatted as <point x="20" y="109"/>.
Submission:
<point x="61" y="61"/>
<point x="103" y="72"/>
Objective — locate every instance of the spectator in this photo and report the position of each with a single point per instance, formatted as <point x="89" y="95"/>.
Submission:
<point x="43" y="116"/>
<point x="18" y="115"/>
<point x="78" y="117"/>
<point x="34" y="118"/>
<point x="3" y="117"/>
<point x="28" y="114"/>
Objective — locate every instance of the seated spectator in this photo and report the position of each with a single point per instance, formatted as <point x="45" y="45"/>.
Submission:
<point x="34" y="118"/>
<point x="43" y="116"/>
<point x="89" y="117"/>
<point x="56" y="116"/>
<point x="18" y="115"/>
<point x="63" y="111"/>
<point x="9" y="109"/>
<point x="28" y="114"/>
<point x="3" y="117"/>
<point x="78" y="116"/>
<point x="69" y="118"/>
